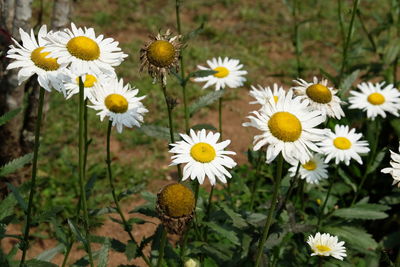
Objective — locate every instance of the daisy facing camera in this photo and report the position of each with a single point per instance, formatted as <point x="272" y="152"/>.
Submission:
<point x="175" y="206"/>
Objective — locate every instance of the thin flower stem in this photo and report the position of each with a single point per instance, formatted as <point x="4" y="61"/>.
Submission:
<point x="208" y="210"/>
<point x="33" y="181"/>
<point x="371" y="157"/>
<point x="321" y="211"/>
<point x="347" y="42"/>
<point x="82" y="173"/>
<point x="170" y="122"/>
<point x="182" y="66"/>
<point x="255" y="180"/>
<point x="289" y="191"/>
<point x="220" y="117"/>
<point x="162" y="247"/>
<point x="67" y="254"/>
<point x="127" y="227"/>
<point x="271" y="210"/>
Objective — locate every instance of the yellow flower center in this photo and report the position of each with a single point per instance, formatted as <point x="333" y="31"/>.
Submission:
<point x="285" y="126"/>
<point x="322" y="248"/>
<point x="202" y="152"/>
<point x="310" y="166"/>
<point x="319" y="93"/>
<point x="41" y="60"/>
<point x="276" y="98"/>
<point x="176" y="200"/>
<point x="89" y="80"/>
<point x="83" y="48"/>
<point x="318" y="201"/>
<point x="222" y="72"/>
<point x="342" y="143"/>
<point x="161" y="53"/>
<point x="116" y="103"/>
<point x="376" y="99"/>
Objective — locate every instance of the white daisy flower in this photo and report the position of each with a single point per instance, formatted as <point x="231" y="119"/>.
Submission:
<point x="31" y="60"/>
<point x="343" y="145"/>
<point x="321" y="97"/>
<point x="86" y="53"/>
<point x="395" y="167"/>
<point x="375" y="100"/>
<point x="313" y="170"/>
<point x="289" y="127"/>
<point x="229" y="73"/>
<point x="204" y="156"/>
<point x="327" y="245"/>
<point x="89" y="80"/>
<point x="262" y="95"/>
<point x="119" y="103"/>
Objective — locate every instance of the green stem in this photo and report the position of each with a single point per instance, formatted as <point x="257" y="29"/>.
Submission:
<point x="33" y="181"/>
<point x="347" y="42"/>
<point x="296" y="40"/>
<point x="255" y="180"/>
<point x="82" y="172"/>
<point x="321" y="211"/>
<point x="162" y="247"/>
<point x="289" y="191"/>
<point x="182" y="66"/>
<point x="208" y="211"/>
<point x="220" y="117"/>
<point x="340" y="19"/>
<point x="170" y="122"/>
<point x="67" y="254"/>
<point x="271" y="210"/>
<point x="127" y="227"/>
<point x="371" y="157"/>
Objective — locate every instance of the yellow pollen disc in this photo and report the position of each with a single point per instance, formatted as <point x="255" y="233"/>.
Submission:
<point x="322" y="248"/>
<point x="342" y="143"/>
<point x="319" y="93"/>
<point x="41" y="60"/>
<point x="285" y="126"/>
<point x="116" y="103"/>
<point x="89" y="81"/>
<point x="176" y="200"/>
<point x="202" y="152"/>
<point x="276" y="98"/>
<point x="376" y="99"/>
<point x="222" y="72"/>
<point x="161" y="53"/>
<point x="83" y="48"/>
<point x="318" y="201"/>
<point x="310" y="166"/>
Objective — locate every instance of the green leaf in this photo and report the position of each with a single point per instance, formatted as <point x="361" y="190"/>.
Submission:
<point x="378" y="160"/>
<point x="204" y="126"/>
<point x="363" y="212"/>
<point x="205" y="101"/>
<point x="38" y="263"/>
<point x="347" y="179"/>
<point x="237" y="219"/>
<point x="356" y="237"/>
<point x="228" y="234"/>
<point x="89" y="185"/>
<point x="157" y="132"/>
<point x="75" y="230"/>
<point x="15" y="164"/>
<point x="7" y="206"/>
<point x="131" y="250"/>
<point x="392" y="50"/>
<point x="396" y="126"/>
<point x="193" y="33"/>
<point x="49" y="254"/>
<point x="202" y="73"/>
<point x="18" y="196"/>
<point x="103" y="254"/>
<point x="348" y="81"/>
<point x="9" y="115"/>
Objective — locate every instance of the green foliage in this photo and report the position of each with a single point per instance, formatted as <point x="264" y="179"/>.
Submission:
<point x="205" y="101"/>
<point x="363" y="212"/>
<point x="15" y="164"/>
<point x="9" y="116"/>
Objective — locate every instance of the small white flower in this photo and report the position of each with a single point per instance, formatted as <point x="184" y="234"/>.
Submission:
<point x="289" y="127"/>
<point x="229" y="73"/>
<point x="262" y="95"/>
<point x="313" y="170"/>
<point x="204" y="156"/>
<point x="343" y="145"/>
<point x="321" y="97"/>
<point x="327" y="245"/>
<point x="89" y="81"/>
<point x="395" y="167"/>
<point x="31" y="59"/>
<point x="119" y="103"/>
<point x="375" y="100"/>
<point x="86" y="53"/>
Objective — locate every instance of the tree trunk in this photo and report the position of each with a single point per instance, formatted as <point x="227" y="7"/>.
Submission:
<point x="61" y="17"/>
